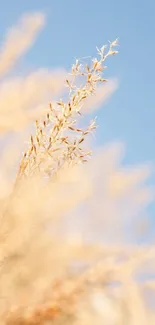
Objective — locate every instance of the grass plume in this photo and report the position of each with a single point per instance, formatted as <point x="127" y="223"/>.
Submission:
<point x="46" y="277"/>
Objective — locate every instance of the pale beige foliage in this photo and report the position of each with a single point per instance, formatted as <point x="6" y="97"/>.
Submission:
<point x="19" y="39"/>
<point x="56" y="197"/>
<point x="37" y="88"/>
<point x="119" y="195"/>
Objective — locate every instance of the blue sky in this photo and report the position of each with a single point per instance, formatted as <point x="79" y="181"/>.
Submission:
<point x="74" y="29"/>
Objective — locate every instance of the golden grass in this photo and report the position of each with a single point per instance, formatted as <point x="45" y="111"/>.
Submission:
<point x="38" y="282"/>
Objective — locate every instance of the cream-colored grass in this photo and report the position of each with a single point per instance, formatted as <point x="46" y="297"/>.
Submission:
<point x="40" y="282"/>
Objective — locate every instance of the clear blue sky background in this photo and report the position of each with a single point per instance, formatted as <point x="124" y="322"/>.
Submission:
<point x="73" y="29"/>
